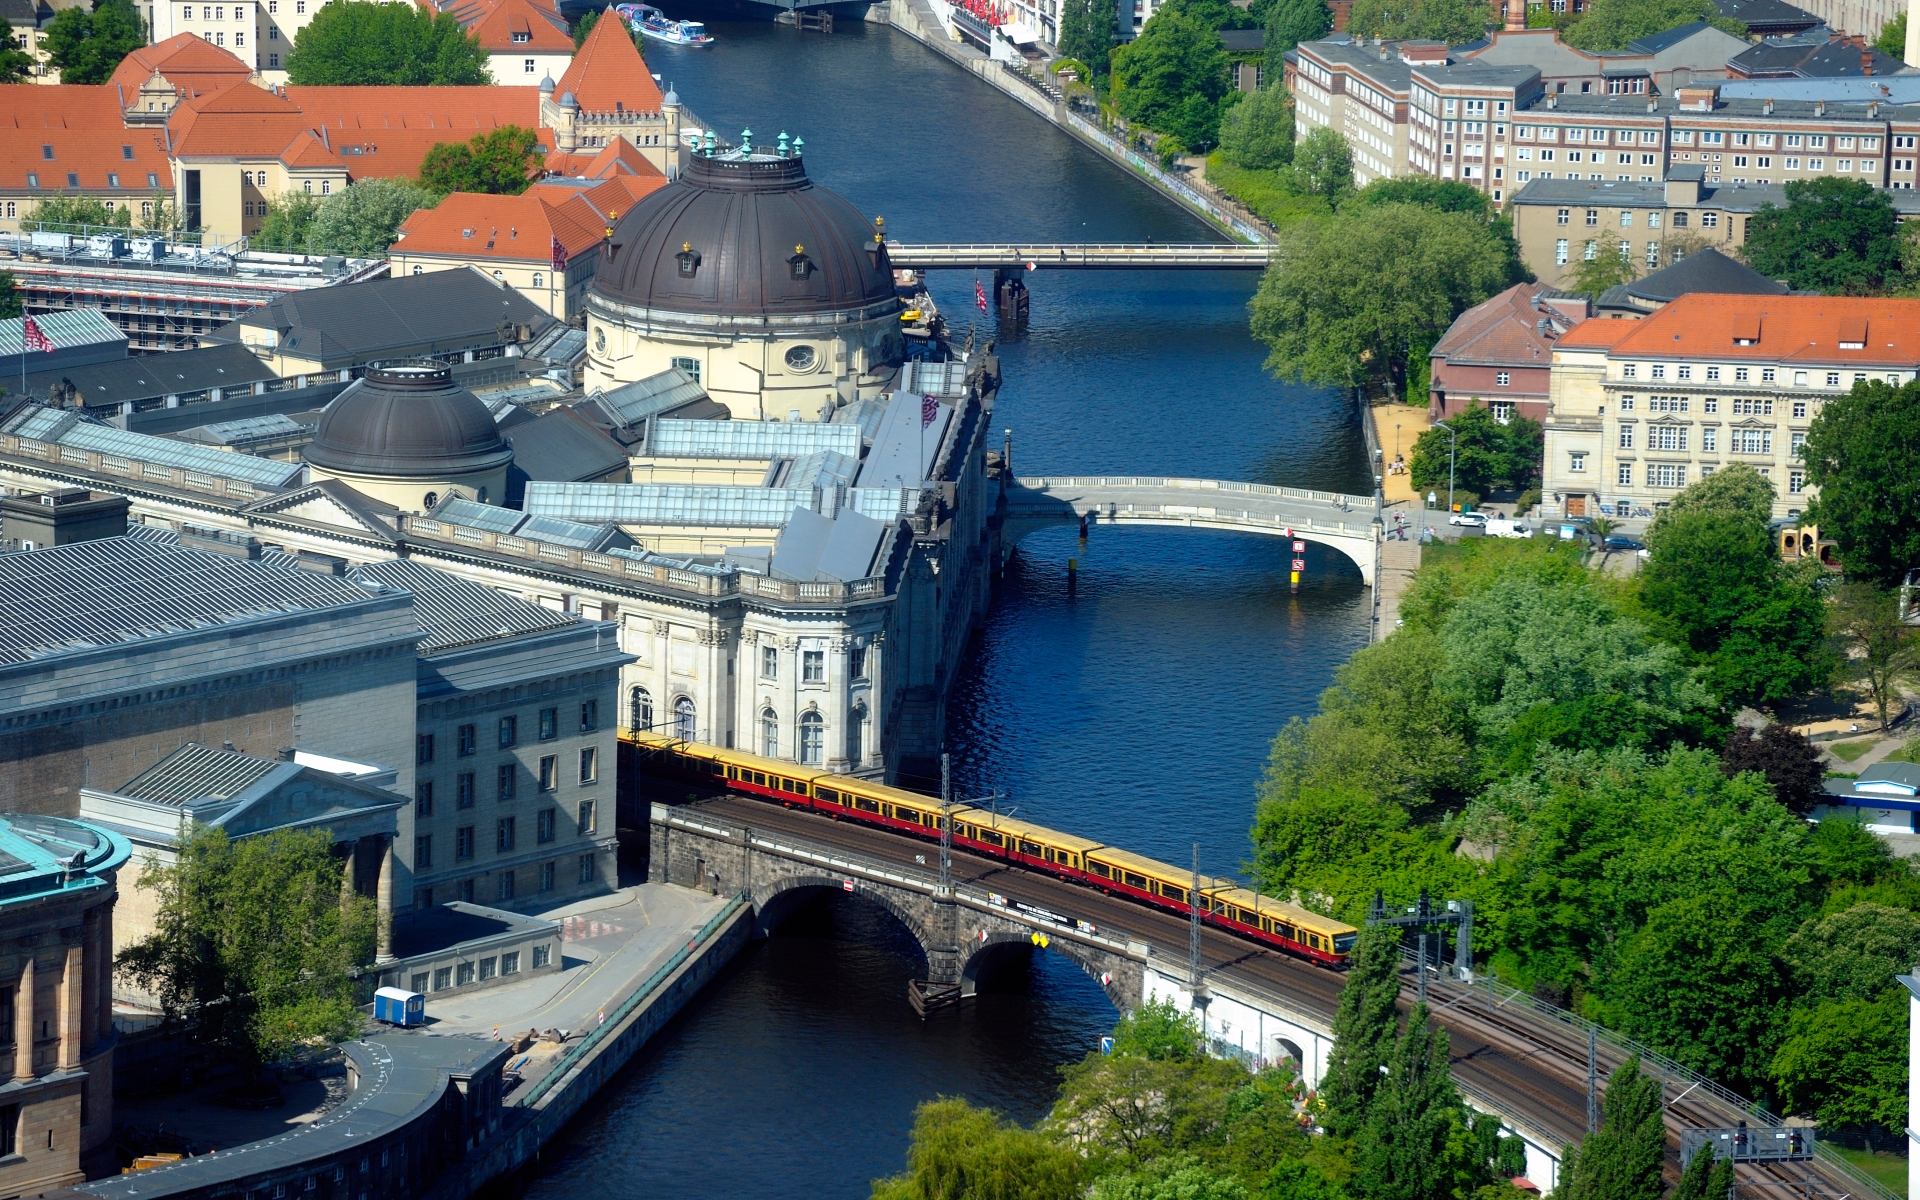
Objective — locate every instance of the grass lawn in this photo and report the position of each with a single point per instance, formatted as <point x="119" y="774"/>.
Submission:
<point x="1906" y="753"/>
<point x="1265" y="192"/>
<point x="1848" y="751"/>
<point x="1883" y="1166"/>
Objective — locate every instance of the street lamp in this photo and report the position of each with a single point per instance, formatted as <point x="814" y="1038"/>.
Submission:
<point x="1453" y="441"/>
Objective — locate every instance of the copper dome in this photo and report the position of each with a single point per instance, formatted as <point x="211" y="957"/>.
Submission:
<point x="407" y="420"/>
<point x="745" y="235"/>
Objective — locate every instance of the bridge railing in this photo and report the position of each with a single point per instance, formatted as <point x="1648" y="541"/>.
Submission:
<point x="1049" y="482"/>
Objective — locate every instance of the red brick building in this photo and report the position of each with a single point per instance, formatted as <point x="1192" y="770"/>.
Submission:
<point x="1500" y="352"/>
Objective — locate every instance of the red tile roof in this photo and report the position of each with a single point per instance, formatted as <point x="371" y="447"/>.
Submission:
<point x="495" y="22"/>
<point x="1596" y="335"/>
<point x="1824" y="330"/>
<point x="463" y="110"/>
<point x="1505" y="331"/>
<point x="618" y="157"/>
<point x="523" y="228"/>
<point x="81" y="127"/>
<point x="607" y="71"/>
<point x="186" y="61"/>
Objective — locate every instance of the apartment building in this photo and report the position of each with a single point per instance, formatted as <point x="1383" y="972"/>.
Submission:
<point x="525" y="40"/>
<point x="1654" y="64"/>
<point x="1638" y="410"/>
<point x="259" y="31"/>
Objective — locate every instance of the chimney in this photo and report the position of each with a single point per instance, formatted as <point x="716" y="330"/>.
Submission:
<point x="1516" y="15"/>
<point x="1873" y="110"/>
<point x="1866" y="61"/>
<point x="1653" y="106"/>
<point x="1819" y="108"/>
<point x="1553" y="101"/>
<point x="1766" y="109"/>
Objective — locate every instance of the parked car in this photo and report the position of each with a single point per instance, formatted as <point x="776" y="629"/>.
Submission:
<point x="1619" y="541"/>
<point x="1505" y="528"/>
<point x="1467" y="518"/>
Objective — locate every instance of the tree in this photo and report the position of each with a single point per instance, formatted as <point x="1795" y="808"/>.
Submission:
<point x="1352" y="297"/>
<point x="958" y="1152"/>
<point x="1454" y="22"/>
<point x="1838" y="236"/>
<point x="288" y="225"/>
<point x="1892" y="41"/>
<point x="1157" y="1030"/>
<point x="1403" y="1150"/>
<point x="1611" y="24"/>
<point x="1175" y="1177"/>
<point x="1257" y="133"/>
<point x="1290" y="22"/>
<point x="1844" y="1062"/>
<point x="363" y="220"/>
<point x="1860" y="452"/>
<point x="1447" y="196"/>
<point x="1600" y="267"/>
<point x="1877" y="648"/>
<point x="1620" y="1160"/>
<point x="500" y="162"/>
<point x="10" y="305"/>
<point x="66" y="212"/>
<point x="1364" y="1029"/>
<point x="1734" y="490"/>
<point x="352" y="43"/>
<point x="1485" y="453"/>
<point x="1323" y="165"/>
<point x="87" y="46"/>
<point x="254" y="942"/>
<point x="1789" y="761"/>
<point x="1853" y="954"/>
<point x="1707" y="1177"/>
<point x="16" y="65"/>
<point x="1172" y="78"/>
<point x="1087" y="33"/>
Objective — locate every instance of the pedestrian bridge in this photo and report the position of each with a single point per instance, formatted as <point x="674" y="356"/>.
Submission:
<point x="1095" y="256"/>
<point x="1344" y="523"/>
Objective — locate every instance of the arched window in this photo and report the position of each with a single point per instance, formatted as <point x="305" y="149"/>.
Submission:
<point x="640" y="709"/>
<point x="683" y="718"/>
<point x="769" y="733"/>
<point x="854" y="729"/>
<point x="417" y="270"/>
<point x="813" y="739"/>
<point x="539" y="280"/>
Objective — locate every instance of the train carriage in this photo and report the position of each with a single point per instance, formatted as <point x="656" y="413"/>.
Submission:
<point x="1300" y="930"/>
<point x="1024" y="842"/>
<point x="1144" y="878"/>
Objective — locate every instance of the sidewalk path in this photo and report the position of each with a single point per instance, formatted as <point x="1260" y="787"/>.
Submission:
<point x="1412" y="423"/>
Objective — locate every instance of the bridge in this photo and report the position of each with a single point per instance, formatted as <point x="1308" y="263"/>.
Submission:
<point x="1095" y="256"/>
<point x="1511" y="1055"/>
<point x="1344" y="523"/>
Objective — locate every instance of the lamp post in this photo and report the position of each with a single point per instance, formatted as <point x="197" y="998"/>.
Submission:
<point x="1453" y="442"/>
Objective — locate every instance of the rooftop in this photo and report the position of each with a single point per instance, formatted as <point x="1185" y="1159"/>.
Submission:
<point x="71" y="428"/>
<point x="40" y="856"/>
<point x="66" y="330"/>
<point x="456" y="613"/>
<point x="1513" y="328"/>
<point x="191" y="64"/>
<point x="149" y="377"/>
<point x="1837" y="331"/>
<point x="607" y="73"/>
<point x="701" y="504"/>
<point x="1814" y="56"/>
<point x="1707" y="271"/>
<point x="196" y="772"/>
<point x="669" y="438"/>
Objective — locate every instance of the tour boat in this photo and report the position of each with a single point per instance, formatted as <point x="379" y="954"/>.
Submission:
<point x="650" y="22"/>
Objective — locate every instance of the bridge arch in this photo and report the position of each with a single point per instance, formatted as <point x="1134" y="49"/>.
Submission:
<point x="775" y="901"/>
<point x="989" y="946"/>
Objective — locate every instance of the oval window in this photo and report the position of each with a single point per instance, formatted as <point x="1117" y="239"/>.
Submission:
<point x="800" y="358"/>
<point x="431" y="499"/>
<point x="600" y="340"/>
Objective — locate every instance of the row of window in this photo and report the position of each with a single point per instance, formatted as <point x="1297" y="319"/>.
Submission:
<point x="1739" y="406"/>
<point x="241" y="12"/>
<point x="508" y="729"/>
<point x="507" y="781"/>
<point x="505" y="834"/>
<point x="506" y="886"/>
<point x="1739" y="441"/>
<point x="1712" y="374"/>
<point x="1708" y="220"/>
<point x="813" y="664"/>
<point x="113" y="181"/>
<point x="1674" y="475"/>
<point x="481" y="970"/>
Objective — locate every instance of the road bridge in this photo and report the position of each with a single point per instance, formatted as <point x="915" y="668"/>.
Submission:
<point x="1510" y="1054"/>
<point x="1344" y="523"/>
<point x="1092" y="256"/>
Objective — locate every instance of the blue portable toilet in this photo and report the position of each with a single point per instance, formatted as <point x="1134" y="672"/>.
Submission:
<point x="398" y="1006"/>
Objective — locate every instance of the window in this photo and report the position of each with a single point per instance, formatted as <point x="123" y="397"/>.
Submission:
<point x="463" y="843"/>
<point x="506" y="888"/>
<point x="1833" y="379"/>
<point x="1666" y="437"/>
<point x="586" y="868"/>
<point x="1796" y="482"/>
<point x="509" y="731"/>
<point x="466" y="890"/>
<point x="1560" y="253"/>
<point x="549" y="724"/>
<point x="1709" y="440"/>
<point x="539" y="280"/>
<point x="1799" y="409"/>
<point x="1561" y="217"/>
<point x="690" y="365"/>
<point x="769" y="733"/>
<point x="1709" y="220"/>
<point x="854" y="724"/>
<point x="1653" y="255"/>
<point x="550" y="773"/>
<point x="543" y="829"/>
<point x="113" y="181"/>
<point x="683" y="718"/>
<point x="509" y="777"/>
<point x="589" y="764"/>
<point x="546" y="877"/>
<point x="423" y="749"/>
<point x="586" y="815"/>
<point x="1685" y="371"/>
<point x="463" y="790"/>
<point x="1750" y="441"/>
<point x="1680" y="220"/>
<point x="1592" y="250"/>
<point x="1666" y="475"/>
<point x="1629" y="370"/>
<point x="489" y="965"/>
<point x="857" y="663"/>
<point x="1713" y="375"/>
<point x="1577" y="461"/>
<point x="423" y="852"/>
<point x="1625" y="475"/>
<point x="503" y="835"/>
<point x="1593" y="216"/>
<point x="589" y="716"/>
<point x="529" y="62"/>
<point x="769" y="662"/>
<point x="1626" y="437"/>
<point x="1767" y="375"/>
<point x="1502" y="411"/>
<point x="464" y="740"/>
<point x="1626" y="218"/>
<point x="1659" y="370"/>
<point x="33" y="179"/>
<point x="443" y="977"/>
<point x="813" y="666"/>
<point x="813" y="738"/>
<point x="1796" y="442"/>
<point x="640" y="708"/>
<point x="1501" y="379"/>
<point x="423" y="798"/>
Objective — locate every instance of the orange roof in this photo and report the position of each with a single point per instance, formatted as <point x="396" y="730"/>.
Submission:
<point x="522" y="228"/>
<point x="1594" y="335"/>
<point x="463" y="110"/>
<point x="241" y="122"/>
<point x="618" y="157"/>
<point x="497" y="22"/>
<point x="1825" y="330"/>
<point x="598" y="204"/>
<point x="186" y="61"/>
<point x="83" y="128"/>
<point x="608" y="73"/>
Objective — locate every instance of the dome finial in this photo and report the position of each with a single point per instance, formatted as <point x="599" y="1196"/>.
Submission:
<point x="746" y="141"/>
<point x="797" y="143"/>
<point x="783" y="143"/>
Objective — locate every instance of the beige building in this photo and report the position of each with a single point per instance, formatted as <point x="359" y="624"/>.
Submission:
<point x="1640" y="409"/>
<point x="405" y="435"/>
<point x="259" y="31"/>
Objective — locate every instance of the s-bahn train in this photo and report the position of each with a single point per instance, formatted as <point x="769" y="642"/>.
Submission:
<point x="1223" y="902"/>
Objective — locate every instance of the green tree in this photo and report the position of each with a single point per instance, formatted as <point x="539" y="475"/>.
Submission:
<point x="1853" y="954"/>
<point x="1175" y="1177"/>
<point x="1172" y="78"/>
<point x="1122" y="1111"/>
<point x="1735" y="490"/>
<point x="1354" y="296"/>
<point x="1844" y="1062"/>
<point x="1893" y="37"/>
<point x="959" y="1152"/>
<point x="288" y="225"/>
<point x="1877" y="649"/>
<point x="1454" y="22"/>
<point x="254" y="943"/>
<point x="1611" y="24"/>
<point x="87" y="46"/>
<point x="363" y="220"/>
<point x="1600" y="267"/>
<point x="1485" y="453"/>
<point x="1837" y="236"/>
<point x="1290" y="22"/>
<point x="16" y="65"/>
<point x="1365" y="1027"/>
<point x="1789" y="761"/>
<point x="1323" y="165"/>
<point x="1707" y="1177"/>
<point x="1257" y="133"/>
<point x="67" y="212"/>
<point x="1620" y="1160"/>
<point x="10" y="305"/>
<point x="355" y="44"/>
<point x="1087" y="32"/>
<point x="1157" y="1030"/>
<point x="1860" y="452"/>
<point x="1404" y="1151"/>
<point x="500" y="162"/>
<point x="1453" y="197"/>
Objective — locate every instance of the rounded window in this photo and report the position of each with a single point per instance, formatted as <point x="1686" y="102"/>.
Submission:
<point x="431" y="499"/>
<point x="600" y="340"/>
<point x="801" y="358"/>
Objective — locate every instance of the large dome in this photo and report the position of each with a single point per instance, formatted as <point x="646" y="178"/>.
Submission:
<point x="405" y="421"/>
<point x="745" y="235"/>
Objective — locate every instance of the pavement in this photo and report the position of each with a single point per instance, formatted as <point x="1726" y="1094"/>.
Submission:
<point x="1398" y="425"/>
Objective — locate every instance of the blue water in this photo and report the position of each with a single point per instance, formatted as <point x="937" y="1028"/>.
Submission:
<point x="1138" y="711"/>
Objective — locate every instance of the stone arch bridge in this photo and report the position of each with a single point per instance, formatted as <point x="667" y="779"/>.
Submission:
<point x="1348" y="524"/>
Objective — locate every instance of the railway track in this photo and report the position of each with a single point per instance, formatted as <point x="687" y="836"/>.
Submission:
<point x="1526" y="1063"/>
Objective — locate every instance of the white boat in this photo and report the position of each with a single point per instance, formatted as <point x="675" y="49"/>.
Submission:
<point x="650" y="22"/>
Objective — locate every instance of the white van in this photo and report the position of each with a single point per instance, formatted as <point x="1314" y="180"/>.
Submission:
<point x="1502" y="527"/>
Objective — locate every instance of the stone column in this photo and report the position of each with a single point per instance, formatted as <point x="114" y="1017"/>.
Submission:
<point x="346" y="879"/>
<point x="102" y="1008"/>
<point x="73" y="994"/>
<point x="383" y="905"/>
<point x="23" y="1023"/>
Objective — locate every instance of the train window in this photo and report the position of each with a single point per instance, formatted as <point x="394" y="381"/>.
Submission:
<point x="1139" y="881"/>
<point x="1099" y="869"/>
<point x="991" y="838"/>
<point x="760" y="779"/>
<point x="1031" y="848"/>
<point x="1173" y="893"/>
<point x="733" y="772"/>
<point x="827" y="794"/>
<point x="1068" y="860"/>
<point x="866" y="805"/>
<point x="903" y="813"/>
<point x="1343" y="943"/>
<point x="1286" y="931"/>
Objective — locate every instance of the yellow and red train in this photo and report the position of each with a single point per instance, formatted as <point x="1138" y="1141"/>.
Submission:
<point x="1223" y="902"/>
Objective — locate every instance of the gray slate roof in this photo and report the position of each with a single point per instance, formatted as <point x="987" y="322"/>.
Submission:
<point x="1707" y="271"/>
<point x="152" y="376"/>
<point x="456" y="613"/>
<point x="561" y="445"/>
<point x="1767" y="16"/>
<point x="196" y="772"/>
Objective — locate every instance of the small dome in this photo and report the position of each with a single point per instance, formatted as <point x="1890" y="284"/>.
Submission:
<point x="546" y="84"/>
<point x="567" y="100"/>
<point x="407" y="421"/>
<point x="672" y="97"/>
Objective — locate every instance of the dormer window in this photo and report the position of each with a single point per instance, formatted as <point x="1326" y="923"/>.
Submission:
<point x="689" y="260"/>
<point x="798" y="262"/>
<point x="520" y="39"/>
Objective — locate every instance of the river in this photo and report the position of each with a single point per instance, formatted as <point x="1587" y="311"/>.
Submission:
<point x="1137" y="711"/>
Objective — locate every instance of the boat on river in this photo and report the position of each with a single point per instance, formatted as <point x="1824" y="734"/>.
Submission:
<point x="650" y="22"/>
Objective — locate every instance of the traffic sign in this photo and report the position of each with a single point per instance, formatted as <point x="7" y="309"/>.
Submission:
<point x="1299" y="547"/>
<point x="846" y="885"/>
<point x="1299" y="564"/>
<point x="1106" y="1045"/>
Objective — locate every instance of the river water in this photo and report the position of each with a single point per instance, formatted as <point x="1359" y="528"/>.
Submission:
<point x="1137" y="711"/>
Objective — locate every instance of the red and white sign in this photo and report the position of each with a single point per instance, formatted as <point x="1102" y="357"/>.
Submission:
<point x="1299" y="564"/>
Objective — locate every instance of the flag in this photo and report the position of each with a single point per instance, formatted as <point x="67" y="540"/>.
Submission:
<point x="559" y="255"/>
<point x="929" y="409"/>
<point x="33" y="339"/>
<point x="979" y="295"/>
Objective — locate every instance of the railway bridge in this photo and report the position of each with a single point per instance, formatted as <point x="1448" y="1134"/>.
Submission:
<point x="1090" y="256"/>
<point x="1348" y="524"/>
